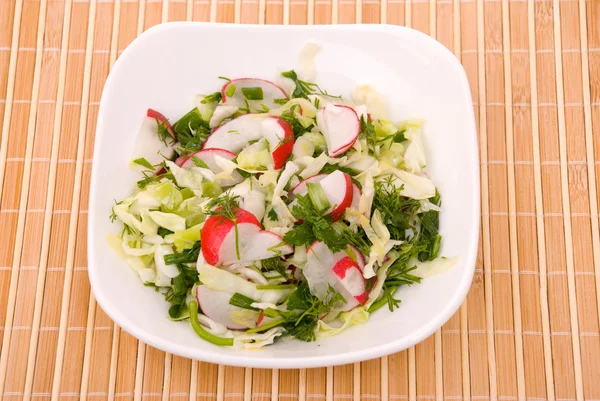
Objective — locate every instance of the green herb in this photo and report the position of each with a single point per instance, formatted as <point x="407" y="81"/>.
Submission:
<point x="254" y="93"/>
<point x="201" y="331"/>
<point x="199" y="162"/>
<point x="144" y="163"/>
<point x="185" y="256"/>
<point x="113" y="215"/>
<point x="212" y="98"/>
<point x="430" y="224"/>
<point x="313" y="227"/>
<point x="397" y="137"/>
<point x="226" y="207"/>
<point x="311" y="308"/>
<point x="165" y="133"/>
<point x="357" y="238"/>
<point x="191" y="131"/>
<point x="367" y="131"/>
<point x="272" y="215"/>
<point x="230" y="91"/>
<point x="396" y="209"/>
<point x="303" y="88"/>
<point x="387" y="297"/>
<point x="274" y="264"/>
<point x="224" y="78"/>
<point x="281" y="101"/>
<point x="290" y="116"/>
<point x="180" y="286"/>
<point x="151" y="177"/>
<point x="242" y="301"/>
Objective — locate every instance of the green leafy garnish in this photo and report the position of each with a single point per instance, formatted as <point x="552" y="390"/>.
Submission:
<point x="311" y="308"/>
<point x="165" y="132"/>
<point x="396" y="209"/>
<point x="367" y="131"/>
<point x="180" y="285"/>
<point x="313" y="227"/>
<point x="144" y="163"/>
<point x="275" y="264"/>
<point x="290" y="116"/>
<point x="303" y="88"/>
<point x="185" y="256"/>
<point x="226" y="206"/>
<point x="191" y="131"/>
<point x="272" y="215"/>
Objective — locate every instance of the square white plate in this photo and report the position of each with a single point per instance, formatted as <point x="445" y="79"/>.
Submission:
<point x="169" y="64"/>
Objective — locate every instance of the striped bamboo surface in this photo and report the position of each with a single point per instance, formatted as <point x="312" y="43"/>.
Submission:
<point x="529" y="328"/>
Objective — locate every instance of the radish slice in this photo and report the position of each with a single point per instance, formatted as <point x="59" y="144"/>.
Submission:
<point x="337" y="187"/>
<point x="340" y="127"/>
<point x="360" y="258"/>
<point x="215" y="305"/>
<point x="149" y="146"/>
<point x="162" y="120"/>
<point x="351" y="278"/>
<point x="301" y="187"/>
<point x="216" y="229"/>
<point x="244" y="90"/>
<point x="223" y="243"/>
<point x="325" y="268"/>
<point x="208" y="156"/>
<point x="235" y="135"/>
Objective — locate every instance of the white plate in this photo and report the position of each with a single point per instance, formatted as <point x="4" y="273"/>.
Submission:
<point x="169" y="64"/>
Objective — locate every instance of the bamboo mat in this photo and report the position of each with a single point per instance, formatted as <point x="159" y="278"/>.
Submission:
<point x="529" y="328"/>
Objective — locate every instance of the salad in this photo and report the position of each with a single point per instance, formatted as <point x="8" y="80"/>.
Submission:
<point x="278" y="210"/>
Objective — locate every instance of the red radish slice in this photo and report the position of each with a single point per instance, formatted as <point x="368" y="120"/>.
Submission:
<point x="215" y="305"/>
<point x="340" y="127"/>
<point x="355" y="196"/>
<point x="162" y="120"/>
<point x="235" y="135"/>
<point x="208" y="156"/>
<point x="338" y="190"/>
<point x="217" y="228"/>
<point x="223" y="241"/>
<point x="351" y="278"/>
<point x="148" y="145"/>
<point x="261" y="317"/>
<point x="269" y="89"/>
<point x="301" y="187"/>
<point x="324" y="268"/>
<point x="360" y="258"/>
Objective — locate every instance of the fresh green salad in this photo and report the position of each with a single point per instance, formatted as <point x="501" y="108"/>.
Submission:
<point x="274" y="211"/>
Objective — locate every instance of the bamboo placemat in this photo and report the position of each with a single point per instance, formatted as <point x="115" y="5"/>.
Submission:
<point x="528" y="330"/>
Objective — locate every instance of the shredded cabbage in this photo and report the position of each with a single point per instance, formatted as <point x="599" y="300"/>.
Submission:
<point x="222" y="280"/>
<point x="346" y="319"/>
<point x="259" y="340"/>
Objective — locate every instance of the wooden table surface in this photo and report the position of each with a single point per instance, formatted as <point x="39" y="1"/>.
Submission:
<point x="528" y="330"/>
